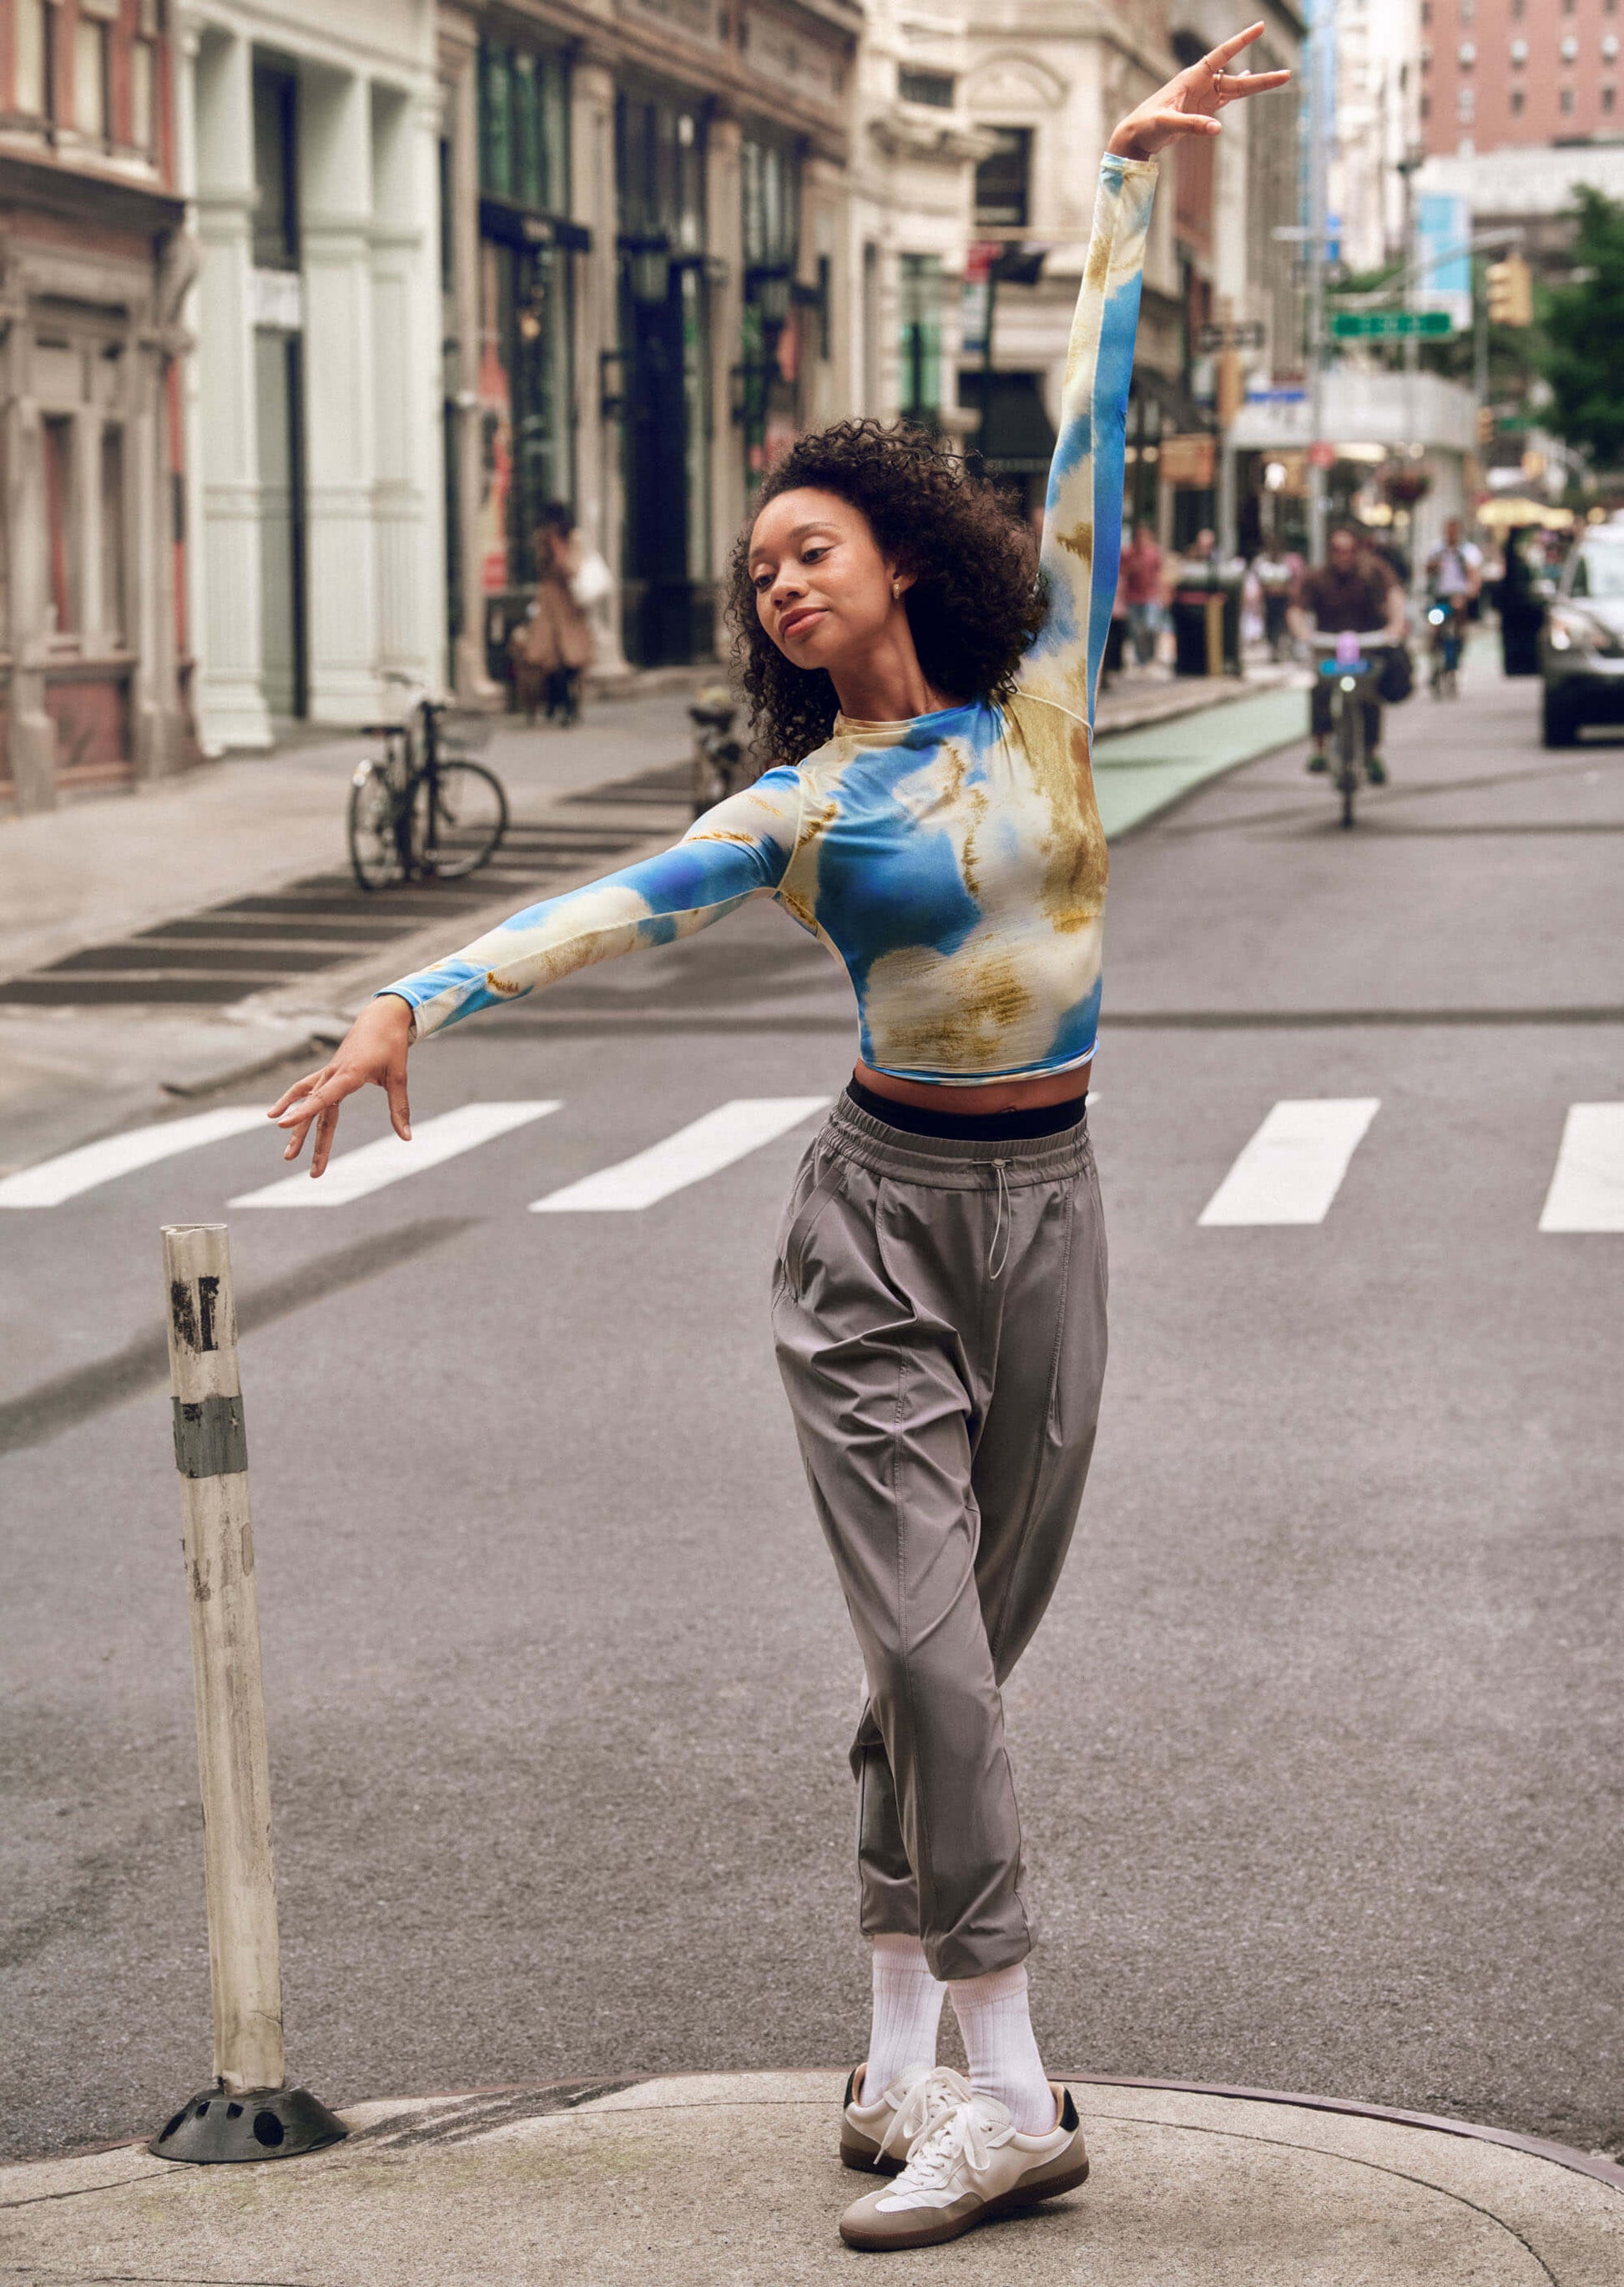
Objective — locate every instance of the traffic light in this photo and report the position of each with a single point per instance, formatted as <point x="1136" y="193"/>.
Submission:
<point x="1485" y="424"/>
<point x="1511" y="292"/>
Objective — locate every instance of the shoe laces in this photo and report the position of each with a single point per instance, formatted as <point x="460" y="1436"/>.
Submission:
<point x="968" y="2133"/>
<point x="933" y="2093"/>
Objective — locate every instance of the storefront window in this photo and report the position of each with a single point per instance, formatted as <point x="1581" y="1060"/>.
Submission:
<point x="920" y="298"/>
<point x="29" y="79"/>
<point x="523" y="128"/>
<point x="61" y="525"/>
<point x="113" y="613"/>
<point x="90" y="78"/>
<point x="663" y="378"/>
<point x="524" y="401"/>
<point x="771" y="186"/>
<point x="1003" y="181"/>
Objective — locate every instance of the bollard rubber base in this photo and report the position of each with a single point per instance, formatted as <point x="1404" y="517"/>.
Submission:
<point x="213" y="2129"/>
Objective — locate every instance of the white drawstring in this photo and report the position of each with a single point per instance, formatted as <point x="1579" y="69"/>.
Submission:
<point x="1001" y="1225"/>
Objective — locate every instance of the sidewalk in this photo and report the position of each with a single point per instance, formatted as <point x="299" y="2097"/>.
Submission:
<point x="731" y="2180"/>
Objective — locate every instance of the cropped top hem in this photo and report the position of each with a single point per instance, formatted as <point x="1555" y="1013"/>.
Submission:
<point x="929" y="1077"/>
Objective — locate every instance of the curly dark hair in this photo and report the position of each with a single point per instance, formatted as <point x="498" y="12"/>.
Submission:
<point x="974" y="607"/>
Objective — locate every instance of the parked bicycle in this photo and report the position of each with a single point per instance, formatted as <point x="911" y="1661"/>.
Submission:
<point x="719" y="756"/>
<point x="422" y="810"/>
<point x="1353" y="669"/>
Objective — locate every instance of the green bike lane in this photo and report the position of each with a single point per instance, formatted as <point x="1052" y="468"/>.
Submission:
<point x="1139" y="773"/>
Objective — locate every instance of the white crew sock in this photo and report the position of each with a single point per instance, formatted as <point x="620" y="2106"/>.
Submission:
<point x="907" y="2011"/>
<point x="1001" y="2046"/>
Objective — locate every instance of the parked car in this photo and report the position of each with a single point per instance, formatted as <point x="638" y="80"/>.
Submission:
<point x="1581" y="643"/>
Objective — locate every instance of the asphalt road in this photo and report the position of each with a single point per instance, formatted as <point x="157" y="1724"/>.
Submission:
<point x="1319" y="1749"/>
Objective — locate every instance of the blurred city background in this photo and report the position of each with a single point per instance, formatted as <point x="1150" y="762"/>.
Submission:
<point x="307" y="313"/>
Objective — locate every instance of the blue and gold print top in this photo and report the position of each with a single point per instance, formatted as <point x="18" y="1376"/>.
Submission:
<point x="953" y="864"/>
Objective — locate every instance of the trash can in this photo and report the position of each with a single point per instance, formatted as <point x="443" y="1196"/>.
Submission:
<point x="1206" y="614"/>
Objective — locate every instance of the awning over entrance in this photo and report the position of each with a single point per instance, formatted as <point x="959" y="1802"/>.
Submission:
<point x="1017" y="437"/>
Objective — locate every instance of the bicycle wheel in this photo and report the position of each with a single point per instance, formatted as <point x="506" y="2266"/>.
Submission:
<point x="1350" y="753"/>
<point x="375" y="857"/>
<point x="463" y="823"/>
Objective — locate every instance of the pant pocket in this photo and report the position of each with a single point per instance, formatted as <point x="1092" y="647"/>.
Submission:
<point x="792" y="1253"/>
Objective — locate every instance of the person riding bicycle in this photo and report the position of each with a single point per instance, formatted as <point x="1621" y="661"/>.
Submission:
<point x="1455" y="577"/>
<point x="1350" y="593"/>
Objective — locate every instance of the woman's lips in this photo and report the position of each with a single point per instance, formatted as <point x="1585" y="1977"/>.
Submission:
<point x="796" y="623"/>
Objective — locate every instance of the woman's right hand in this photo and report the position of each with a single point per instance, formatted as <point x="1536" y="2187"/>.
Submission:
<point x="372" y="1054"/>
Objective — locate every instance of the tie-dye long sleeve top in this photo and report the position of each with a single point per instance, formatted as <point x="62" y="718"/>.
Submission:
<point x="954" y="863"/>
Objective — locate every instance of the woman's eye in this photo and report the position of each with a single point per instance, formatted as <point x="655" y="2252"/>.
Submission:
<point x="813" y="555"/>
<point x="762" y="580"/>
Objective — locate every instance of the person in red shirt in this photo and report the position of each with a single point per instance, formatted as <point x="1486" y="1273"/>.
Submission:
<point x="1141" y="591"/>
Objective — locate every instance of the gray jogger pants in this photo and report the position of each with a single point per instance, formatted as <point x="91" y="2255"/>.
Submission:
<point x="939" y="1313"/>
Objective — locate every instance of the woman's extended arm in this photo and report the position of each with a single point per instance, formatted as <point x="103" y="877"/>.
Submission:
<point x="737" y="850"/>
<point x="1081" y="540"/>
<point x="1081" y="543"/>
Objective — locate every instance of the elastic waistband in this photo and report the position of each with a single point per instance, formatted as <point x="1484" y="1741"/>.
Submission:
<point x="948" y="1161"/>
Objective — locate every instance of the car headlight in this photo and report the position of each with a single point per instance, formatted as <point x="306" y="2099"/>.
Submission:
<point x="1572" y="631"/>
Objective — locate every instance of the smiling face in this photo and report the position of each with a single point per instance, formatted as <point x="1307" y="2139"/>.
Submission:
<point x="823" y="589"/>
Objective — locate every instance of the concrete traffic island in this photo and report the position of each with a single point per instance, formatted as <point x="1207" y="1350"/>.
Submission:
<point x="732" y="2180"/>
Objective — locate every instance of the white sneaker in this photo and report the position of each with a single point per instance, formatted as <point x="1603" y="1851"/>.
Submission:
<point x="972" y="2164"/>
<point x="878" y="2135"/>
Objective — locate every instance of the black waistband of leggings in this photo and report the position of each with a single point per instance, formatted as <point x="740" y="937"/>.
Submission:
<point x="971" y="1127"/>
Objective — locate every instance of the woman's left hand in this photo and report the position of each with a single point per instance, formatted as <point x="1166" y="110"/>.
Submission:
<point x="1189" y="104"/>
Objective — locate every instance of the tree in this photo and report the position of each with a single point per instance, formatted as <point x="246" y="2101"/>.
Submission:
<point x="1583" y="325"/>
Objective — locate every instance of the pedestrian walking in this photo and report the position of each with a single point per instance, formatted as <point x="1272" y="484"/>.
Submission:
<point x="553" y="646"/>
<point x="940" y="1287"/>
<point x="1141" y="591"/>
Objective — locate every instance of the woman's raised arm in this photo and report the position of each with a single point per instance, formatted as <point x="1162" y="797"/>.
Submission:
<point x="1082" y="540"/>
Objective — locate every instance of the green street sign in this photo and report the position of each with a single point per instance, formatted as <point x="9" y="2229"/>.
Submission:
<point x="1388" y="325"/>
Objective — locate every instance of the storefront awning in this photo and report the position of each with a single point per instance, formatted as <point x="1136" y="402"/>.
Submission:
<point x="1017" y="437"/>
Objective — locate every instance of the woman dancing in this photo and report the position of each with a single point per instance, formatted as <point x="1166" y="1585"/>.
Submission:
<point x="939" y="1297"/>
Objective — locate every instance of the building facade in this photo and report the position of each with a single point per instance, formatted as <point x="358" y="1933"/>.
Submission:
<point x="914" y="148"/>
<point x="1050" y="86"/>
<point x="93" y="262"/>
<point x="309" y="142"/>
<point x="644" y="284"/>
<point x="1505" y="74"/>
<point x="1378" y="129"/>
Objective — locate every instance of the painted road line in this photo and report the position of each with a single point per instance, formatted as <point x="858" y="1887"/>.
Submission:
<point x="1293" y="1167"/>
<point x="356" y="1173"/>
<point x="64" y="1178"/>
<point x="1587" y="1188"/>
<point x="729" y="1133"/>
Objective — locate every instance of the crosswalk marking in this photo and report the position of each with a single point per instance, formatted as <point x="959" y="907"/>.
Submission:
<point x="1293" y="1167"/>
<point x="369" y="1168"/>
<point x="729" y="1133"/>
<point x="65" y="1177"/>
<point x="1587" y="1188"/>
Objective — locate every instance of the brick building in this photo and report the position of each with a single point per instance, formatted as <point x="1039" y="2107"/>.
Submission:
<point x="93" y="266"/>
<point x="1509" y="74"/>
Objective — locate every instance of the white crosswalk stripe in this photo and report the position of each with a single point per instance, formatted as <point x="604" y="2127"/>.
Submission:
<point x="354" y="1173"/>
<point x="1293" y="1167"/>
<point x="72" y="1172"/>
<point x="1587" y="1188"/>
<point x="721" y="1136"/>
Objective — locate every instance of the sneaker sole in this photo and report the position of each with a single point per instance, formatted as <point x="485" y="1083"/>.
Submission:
<point x="934" y="2234"/>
